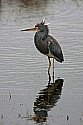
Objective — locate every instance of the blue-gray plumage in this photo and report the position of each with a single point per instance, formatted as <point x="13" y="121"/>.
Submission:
<point x="46" y="44"/>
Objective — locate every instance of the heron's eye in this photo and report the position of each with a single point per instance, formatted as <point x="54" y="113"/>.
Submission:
<point x="37" y="28"/>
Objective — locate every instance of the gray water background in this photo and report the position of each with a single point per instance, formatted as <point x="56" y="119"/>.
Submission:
<point x="23" y="70"/>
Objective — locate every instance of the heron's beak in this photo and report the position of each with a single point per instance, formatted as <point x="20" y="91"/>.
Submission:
<point x="32" y="29"/>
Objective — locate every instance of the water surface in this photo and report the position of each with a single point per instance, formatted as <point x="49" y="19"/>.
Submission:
<point x="23" y="70"/>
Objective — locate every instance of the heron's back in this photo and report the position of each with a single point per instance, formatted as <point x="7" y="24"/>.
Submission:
<point x="49" y="46"/>
<point x="54" y="48"/>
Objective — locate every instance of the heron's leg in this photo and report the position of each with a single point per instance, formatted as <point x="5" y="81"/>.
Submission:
<point x="53" y="70"/>
<point x="49" y="64"/>
<point x="49" y="69"/>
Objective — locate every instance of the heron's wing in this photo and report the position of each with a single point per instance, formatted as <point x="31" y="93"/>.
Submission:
<point x="55" y="48"/>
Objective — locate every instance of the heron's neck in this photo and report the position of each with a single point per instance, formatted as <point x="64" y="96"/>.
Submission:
<point x="41" y="34"/>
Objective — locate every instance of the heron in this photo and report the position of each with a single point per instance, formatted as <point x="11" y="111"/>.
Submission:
<point x="46" y="44"/>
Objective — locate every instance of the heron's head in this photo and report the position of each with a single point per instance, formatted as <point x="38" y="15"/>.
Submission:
<point x="38" y="27"/>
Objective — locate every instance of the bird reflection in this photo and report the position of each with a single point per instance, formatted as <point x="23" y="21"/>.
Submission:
<point x="47" y="99"/>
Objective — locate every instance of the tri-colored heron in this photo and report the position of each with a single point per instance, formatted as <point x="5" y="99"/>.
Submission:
<point x="46" y="44"/>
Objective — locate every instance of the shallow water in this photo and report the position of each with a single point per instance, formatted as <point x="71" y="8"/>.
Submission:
<point x="23" y="70"/>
